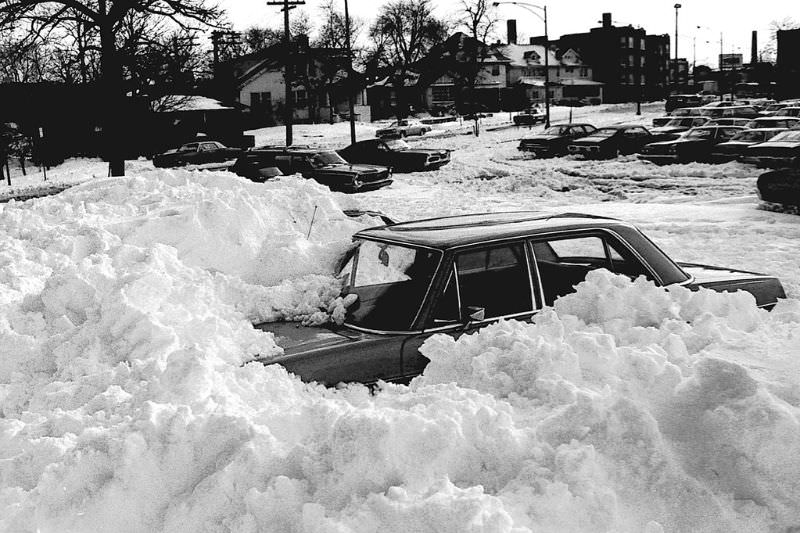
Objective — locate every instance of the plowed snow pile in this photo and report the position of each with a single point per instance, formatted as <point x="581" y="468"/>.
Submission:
<point x="125" y="312"/>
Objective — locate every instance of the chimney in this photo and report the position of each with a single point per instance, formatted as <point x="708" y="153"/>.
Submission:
<point x="754" y="49"/>
<point x="606" y="20"/>
<point x="511" y="26"/>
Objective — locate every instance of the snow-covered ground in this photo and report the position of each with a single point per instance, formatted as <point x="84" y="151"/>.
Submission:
<point x="125" y="321"/>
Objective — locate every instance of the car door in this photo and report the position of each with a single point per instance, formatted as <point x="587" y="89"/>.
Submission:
<point x="562" y="261"/>
<point x="494" y="278"/>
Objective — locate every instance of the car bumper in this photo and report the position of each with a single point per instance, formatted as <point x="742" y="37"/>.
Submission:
<point x="771" y="161"/>
<point x="724" y="158"/>
<point x="588" y="151"/>
<point x="367" y="186"/>
<point x="659" y="158"/>
<point x="538" y="149"/>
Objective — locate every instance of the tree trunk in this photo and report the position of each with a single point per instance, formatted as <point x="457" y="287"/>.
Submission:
<point x="114" y="102"/>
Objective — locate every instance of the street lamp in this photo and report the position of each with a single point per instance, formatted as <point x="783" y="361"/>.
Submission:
<point x="543" y="18"/>
<point x="677" y="7"/>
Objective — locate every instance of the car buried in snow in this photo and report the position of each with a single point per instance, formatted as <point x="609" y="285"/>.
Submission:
<point x="693" y="145"/>
<point x="325" y="166"/>
<point x="454" y="275"/>
<point x="403" y="128"/>
<point x="554" y="140"/>
<point x="781" y="151"/>
<point x="196" y="153"/>
<point x="529" y="117"/>
<point x="396" y="154"/>
<point x="734" y="149"/>
<point x="611" y="141"/>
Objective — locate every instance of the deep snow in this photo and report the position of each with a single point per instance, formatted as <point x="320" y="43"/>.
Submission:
<point x="125" y="312"/>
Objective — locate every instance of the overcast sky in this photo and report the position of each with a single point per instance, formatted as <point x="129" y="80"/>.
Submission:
<point x="736" y="19"/>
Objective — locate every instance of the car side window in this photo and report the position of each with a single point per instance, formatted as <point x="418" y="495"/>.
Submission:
<point x="191" y="147"/>
<point x="563" y="263"/>
<point x="494" y="278"/>
<point x="727" y="133"/>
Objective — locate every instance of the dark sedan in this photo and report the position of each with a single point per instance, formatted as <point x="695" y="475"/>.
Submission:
<point x="611" y="141"/>
<point x="735" y="148"/>
<point x="694" y="145"/>
<point x="780" y="187"/>
<point x="395" y="153"/>
<point x="455" y="275"/>
<point x="554" y="140"/>
<point x="781" y="151"/>
<point x="675" y="127"/>
<point x="196" y="153"/>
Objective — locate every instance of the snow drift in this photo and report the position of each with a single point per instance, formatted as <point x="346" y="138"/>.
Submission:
<point x="125" y="312"/>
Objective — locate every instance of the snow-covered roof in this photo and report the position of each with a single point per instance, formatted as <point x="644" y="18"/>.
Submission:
<point x="182" y="102"/>
<point x="526" y="55"/>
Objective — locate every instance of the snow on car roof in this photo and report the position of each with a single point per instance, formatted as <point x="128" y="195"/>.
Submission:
<point x="447" y="232"/>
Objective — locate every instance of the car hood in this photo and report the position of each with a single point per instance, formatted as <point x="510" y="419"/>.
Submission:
<point x="428" y="151"/>
<point x="542" y="138"/>
<point x="350" y="169"/>
<point x="736" y="144"/>
<point x="591" y="140"/>
<point x="779" y="144"/>
<point x="668" y="129"/>
<point x="676" y="141"/>
<point x="294" y="338"/>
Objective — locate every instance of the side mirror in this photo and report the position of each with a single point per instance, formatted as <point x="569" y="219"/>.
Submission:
<point x="472" y="313"/>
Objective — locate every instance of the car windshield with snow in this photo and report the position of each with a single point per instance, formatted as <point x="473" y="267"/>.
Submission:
<point x="405" y="282"/>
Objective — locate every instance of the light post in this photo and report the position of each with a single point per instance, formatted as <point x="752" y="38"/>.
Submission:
<point x="350" y="84"/>
<point x="543" y="18"/>
<point x="677" y="7"/>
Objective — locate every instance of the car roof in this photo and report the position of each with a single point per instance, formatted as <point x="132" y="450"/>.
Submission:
<point x="463" y="230"/>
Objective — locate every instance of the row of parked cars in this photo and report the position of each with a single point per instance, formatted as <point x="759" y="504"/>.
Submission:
<point x="768" y="141"/>
<point x="362" y="166"/>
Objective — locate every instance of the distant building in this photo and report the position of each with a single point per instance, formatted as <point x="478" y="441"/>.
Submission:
<point x="617" y="55"/>
<point x="656" y="67"/>
<point x="319" y="89"/>
<point x="788" y="63"/>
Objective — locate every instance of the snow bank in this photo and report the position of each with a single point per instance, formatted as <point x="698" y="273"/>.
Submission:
<point x="125" y="310"/>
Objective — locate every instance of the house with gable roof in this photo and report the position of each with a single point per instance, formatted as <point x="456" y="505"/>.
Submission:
<point x="319" y="89"/>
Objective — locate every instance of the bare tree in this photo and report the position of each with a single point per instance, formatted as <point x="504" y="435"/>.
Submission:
<point x="107" y="17"/>
<point x="478" y="18"/>
<point x="404" y="32"/>
<point x="769" y="52"/>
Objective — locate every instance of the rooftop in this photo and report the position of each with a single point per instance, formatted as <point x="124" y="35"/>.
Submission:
<point x="449" y="232"/>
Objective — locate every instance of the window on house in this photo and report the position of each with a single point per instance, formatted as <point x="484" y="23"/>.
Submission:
<point x="641" y="44"/>
<point x="442" y="94"/>
<point x="630" y="42"/>
<point x="623" y="41"/>
<point x="569" y="70"/>
<point x="495" y="70"/>
<point x="260" y="100"/>
<point x="584" y="72"/>
<point x="300" y="97"/>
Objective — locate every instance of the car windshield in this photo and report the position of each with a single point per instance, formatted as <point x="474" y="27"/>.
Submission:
<point x="390" y="281"/>
<point x="604" y="132"/>
<point x="555" y="130"/>
<point x="679" y="122"/>
<point x="698" y="133"/>
<point x="775" y="107"/>
<point x="397" y="144"/>
<point x="748" y="136"/>
<point x="327" y="158"/>
<point x="792" y="136"/>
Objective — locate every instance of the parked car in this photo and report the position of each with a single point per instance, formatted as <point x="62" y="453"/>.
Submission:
<point x="611" y="141"/>
<point x="774" y="122"/>
<point x="554" y="140"/>
<point x="734" y="149"/>
<point x="675" y="127"/>
<point x="196" y="153"/>
<point x="777" y="107"/>
<point x="724" y="103"/>
<point x="781" y="151"/>
<point x="683" y="100"/>
<point x="678" y="112"/>
<point x="455" y="275"/>
<point x="403" y="128"/>
<point x="780" y="187"/>
<point x="530" y="116"/>
<point x="728" y="121"/>
<point x="324" y="166"/>
<point x="395" y="153"/>
<point x="791" y="111"/>
<point x="694" y="145"/>
<point x="743" y="111"/>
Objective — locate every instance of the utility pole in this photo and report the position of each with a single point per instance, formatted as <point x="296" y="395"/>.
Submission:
<point x="350" y="84"/>
<point x="289" y="66"/>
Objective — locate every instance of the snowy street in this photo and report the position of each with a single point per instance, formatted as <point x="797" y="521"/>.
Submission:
<point x="127" y="404"/>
